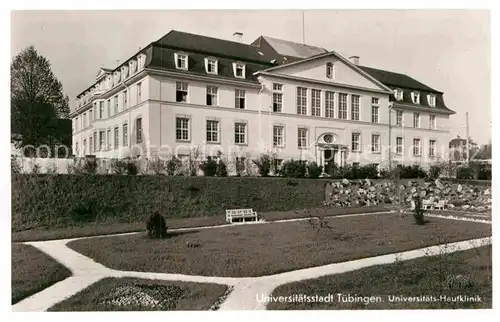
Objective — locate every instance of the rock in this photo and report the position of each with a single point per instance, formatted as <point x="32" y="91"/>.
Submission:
<point x="410" y="183"/>
<point x="465" y="207"/>
<point x="368" y="182"/>
<point x="439" y="185"/>
<point x="413" y="190"/>
<point x="423" y="193"/>
<point x="372" y="188"/>
<point x="401" y="187"/>
<point x="345" y="182"/>
<point x="487" y="192"/>
<point x="450" y="205"/>
<point x="459" y="188"/>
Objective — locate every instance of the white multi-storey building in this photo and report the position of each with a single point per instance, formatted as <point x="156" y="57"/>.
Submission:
<point x="186" y="92"/>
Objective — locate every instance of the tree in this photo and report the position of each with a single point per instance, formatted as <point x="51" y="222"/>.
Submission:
<point x="484" y="153"/>
<point x="37" y="101"/>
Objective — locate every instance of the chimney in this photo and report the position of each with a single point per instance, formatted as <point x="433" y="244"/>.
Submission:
<point x="354" y="60"/>
<point x="238" y="36"/>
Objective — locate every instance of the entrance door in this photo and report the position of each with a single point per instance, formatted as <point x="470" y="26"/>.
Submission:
<point x="329" y="158"/>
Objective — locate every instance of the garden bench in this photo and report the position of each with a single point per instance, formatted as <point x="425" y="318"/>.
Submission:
<point x="441" y="204"/>
<point x="427" y="204"/>
<point x="240" y="215"/>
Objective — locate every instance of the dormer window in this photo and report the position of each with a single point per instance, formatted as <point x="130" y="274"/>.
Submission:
<point x="132" y="67"/>
<point x="398" y="94"/>
<point x="329" y="70"/>
<point x="211" y="65"/>
<point x="239" y="70"/>
<point x="415" y="97"/>
<point x="181" y="61"/>
<point x="432" y="99"/>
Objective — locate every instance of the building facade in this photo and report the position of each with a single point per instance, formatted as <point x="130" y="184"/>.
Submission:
<point x="186" y="94"/>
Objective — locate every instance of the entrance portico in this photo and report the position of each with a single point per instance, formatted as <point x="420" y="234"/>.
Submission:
<point x="328" y="149"/>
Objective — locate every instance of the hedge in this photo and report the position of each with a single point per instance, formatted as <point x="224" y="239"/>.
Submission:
<point x="55" y="201"/>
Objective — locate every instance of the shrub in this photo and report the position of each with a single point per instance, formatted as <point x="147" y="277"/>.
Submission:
<point x="484" y="173"/>
<point x="314" y="170"/>
<point x="173" y="165"/>
<point x="157" y="166"/>
<point x="15" y="166"/>
<point x="369" y="171"/>
<point x="411" y="172"/>
<point x="263" y="164"/>
<point x="209" y="167"/>
<point x="156" y="226"/>
<point x="125" y="166"/>
<point x="293" y="169"/>
<point x="90" y="166"/>
<point x="418" y="212"/>
<point x="465" y="173"/>
<point x="435" y="171"/>
<point x="221" y="168"/>
<point x="239" y="165"/>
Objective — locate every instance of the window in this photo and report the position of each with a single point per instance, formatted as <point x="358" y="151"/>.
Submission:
<point x="240" y="133"/>
<point x="139" y="93"/>
<point x="239" y="70"/>
<point x="109" y="108"/>
<point x="432" y="99"/>
<point x="329" y="70"/>
<point x="95" y="141"/>
<point x="416" y="147"/>
<point x="277" y="98"/>
<point x="302" y="138"/>
<point x="355" y="107"/>
<point x="101" y="141"/>
<point x="90" y="116"/>
<point x="301" y="101"/>
<point x="116" y="104"/>
<point x="76" y="148"/>
<point x="181" y="92"/>
<point x="90" y="145"/>
<point x="117" y="138"/>
<point x="432" y="148"/>
<point x="399" y="118"/>
<point x="138" y="125"/>
<point x="84" y="146"/>
<point x="108" y="140"/>
<point x="375" y="143"/>
<point x="239" y="97"/>
<point x="278" y="133"/>
<point x="374" y="114"/>
<point x="399" y="145"/>
<point x="84" y="119"/>
<point x="181" y="61"/>
<point x="211" y="95"/>
<point x="342" y="106"/>
<point x="415" y="97"/>
<point x="211" y="65"/>
<point x="375" y="100"/>
<point x="212" y="131"/>
<point x="329" y="104"/>
<point x="316" y="102"/>
<point x="416" y="119"/>
<point x="101" y="110"/>
<point x="356" y="142"/>
<point x="125" y="100"/>
<point x="182" y="129"/>
<point x="125" y="134"/>
<point x="76" y="123"/>
<point x="398" y="94"/>
<point x="432" y="122"/>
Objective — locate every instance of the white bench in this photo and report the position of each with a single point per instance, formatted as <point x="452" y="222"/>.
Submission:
<point x="240" y="215"/>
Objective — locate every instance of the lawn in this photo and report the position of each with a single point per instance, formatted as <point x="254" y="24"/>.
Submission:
<point x="263" y="249"/>
<point x="33" y="271"/>
<point x="94" y="229"/>
<point x="428" y="276"/>
<point x="132" y="294"/>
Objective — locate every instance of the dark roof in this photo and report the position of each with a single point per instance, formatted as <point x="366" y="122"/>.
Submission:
<point x="393" y="79"/>
<point x="163" y="59"/>
<point x="212" y="46"/>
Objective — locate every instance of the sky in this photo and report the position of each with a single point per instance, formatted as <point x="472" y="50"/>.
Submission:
<point x="448" y="50"/>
